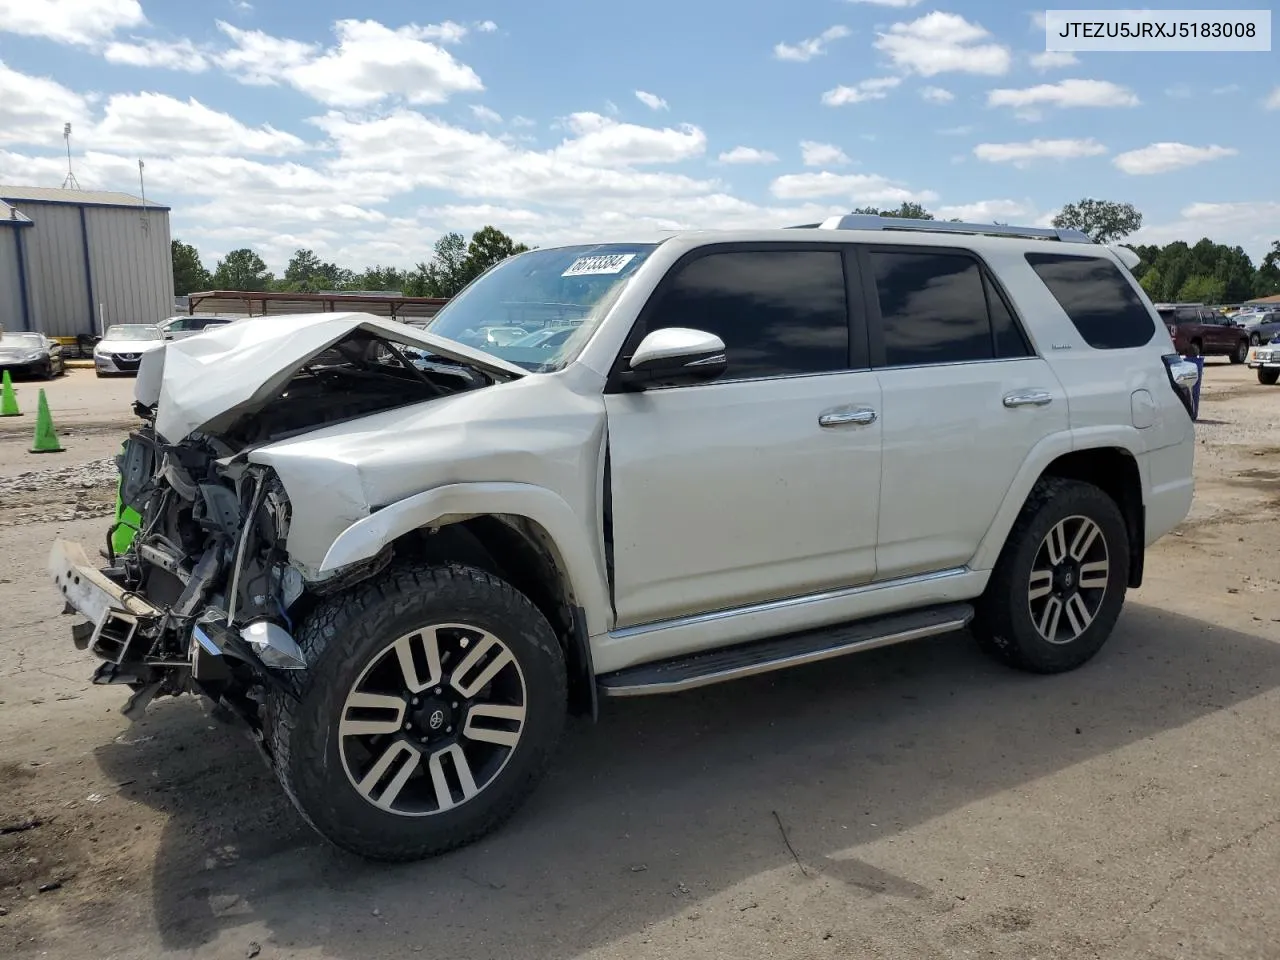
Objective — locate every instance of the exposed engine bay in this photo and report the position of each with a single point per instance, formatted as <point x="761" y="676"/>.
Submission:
<point x="204" y="598"/>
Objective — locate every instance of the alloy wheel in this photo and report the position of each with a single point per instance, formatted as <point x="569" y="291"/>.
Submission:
<point x="432" y="719"/>
<point x="1068" y="579"/>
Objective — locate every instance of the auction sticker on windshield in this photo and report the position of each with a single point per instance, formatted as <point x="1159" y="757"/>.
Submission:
<point x="597" y="266"/>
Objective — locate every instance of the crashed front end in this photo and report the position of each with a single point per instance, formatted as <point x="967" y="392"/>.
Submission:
<point x="199" y="593"/>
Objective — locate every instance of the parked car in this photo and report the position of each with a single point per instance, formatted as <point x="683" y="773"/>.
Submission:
<point x="1266" y="360"/>
<point x="1260" y="326"/>
<point x="121" y="348"/>
<point x="181" y="327"/>
<point x="1193" y="325"/>
<point x="762" y="449"/>
<point x="31" y="353"/>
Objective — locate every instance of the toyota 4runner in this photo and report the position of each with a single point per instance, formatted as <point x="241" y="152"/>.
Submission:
<point x="403" y="556"/>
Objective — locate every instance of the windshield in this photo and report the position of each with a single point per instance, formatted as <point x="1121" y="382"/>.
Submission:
<point x="133" y="331"/>
<point x="527" y="294"/>
<point x="28" y="340"/>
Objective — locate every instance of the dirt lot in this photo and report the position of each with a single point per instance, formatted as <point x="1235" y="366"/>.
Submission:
<point x="937" y="805"/>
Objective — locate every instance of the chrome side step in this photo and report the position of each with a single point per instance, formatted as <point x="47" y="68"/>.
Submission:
<point x="763" y="656"/>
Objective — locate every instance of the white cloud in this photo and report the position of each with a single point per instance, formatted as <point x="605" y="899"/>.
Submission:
<point x="816" y="154"/>
<point x="1165" y="156"/>
<point x="485" y="114"/>
<point x="1066" y="93"/>
<point x="942" y="43"/>
<point x="486" y="26"/>
<point x="855" y="187"/>
<point x="602" y="141"/>
<point x="877" y="88"/>
<point x="523" y="122"/>
<point x="1180" y="91"/>
<point x="937" y="95"/>
<point x="84" y="22"/>
<point x="1053" y="59"/>
<point x="369" y="64"/>
<point x="1249" y="223"/>
<point x="1273" y="100"/>
<point x="151" y="123"/>
<point x="987" y="211"/>
<point x="806" y="50"/>
<point x="1022" y="154"/>
<point x="33" y="110"/>
<point x="1038" y="20"/>
<point x="651" y="100"/>
<point x="747" y="155"/>
<point x="157" y="54"/>
<point x="887" y="3"/>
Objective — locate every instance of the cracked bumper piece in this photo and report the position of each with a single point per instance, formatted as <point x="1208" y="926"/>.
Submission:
<point x="114" y="613"/>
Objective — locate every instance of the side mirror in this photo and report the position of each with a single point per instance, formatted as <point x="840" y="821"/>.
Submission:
<point x="677" y="355"/>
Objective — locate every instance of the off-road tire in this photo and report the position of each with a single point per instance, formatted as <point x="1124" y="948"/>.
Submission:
<point x="1267" y="377"/>
<point x="1003" y="624"/>
<point x="339" y="638"/>
<point x="1241" y="352"/>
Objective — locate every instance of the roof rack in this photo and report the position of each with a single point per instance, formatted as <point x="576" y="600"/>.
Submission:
<point x="871" y="221"/>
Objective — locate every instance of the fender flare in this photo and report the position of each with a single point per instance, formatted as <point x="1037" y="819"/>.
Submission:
<point x="575" y="556"/>
<point x="1049" y="449"/>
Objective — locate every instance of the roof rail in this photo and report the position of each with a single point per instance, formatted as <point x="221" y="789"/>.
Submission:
<point x="871" y="221"/>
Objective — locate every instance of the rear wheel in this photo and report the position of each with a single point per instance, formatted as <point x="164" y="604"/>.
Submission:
<point x="1241" y="353"/>
<point x="1254" y="339"/>
<point x="1267" y="377"/>
<point x="1060" y="582"/>
<point x="431" y="706"/>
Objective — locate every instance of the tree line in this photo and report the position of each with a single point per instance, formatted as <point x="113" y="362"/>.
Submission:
<point x="455" y="262"/>
<point x="1205" y="272"/>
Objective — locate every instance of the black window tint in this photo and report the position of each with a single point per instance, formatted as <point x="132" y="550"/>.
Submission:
<point x="933" y="308"/>
<point x="777" y="312"/>
<point x="1101" y="304"/>
<point x="1010" y="341"/>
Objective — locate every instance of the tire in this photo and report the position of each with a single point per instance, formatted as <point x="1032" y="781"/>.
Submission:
<point x="353" y="644"/>
<point x="1241" y="353"/>
<point x="1267" y="377"/>
<point x="47" y="372"/>
<point x="1007" y="613"/>
<point x="1254" y="340"/>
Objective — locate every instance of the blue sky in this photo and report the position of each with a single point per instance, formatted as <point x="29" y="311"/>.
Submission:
<point x="365" y="130"/>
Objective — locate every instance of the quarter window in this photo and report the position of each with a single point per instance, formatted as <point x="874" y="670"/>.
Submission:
<point x="779" y="313"/>
<point x="1100" y="302"/>
<point x="940" y="308"/>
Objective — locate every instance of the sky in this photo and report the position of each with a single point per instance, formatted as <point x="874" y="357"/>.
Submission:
<point x="365" y="130"/>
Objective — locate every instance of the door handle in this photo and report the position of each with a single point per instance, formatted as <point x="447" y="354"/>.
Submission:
<point x="1031" y="398"/>
<point x="839" y="418"/>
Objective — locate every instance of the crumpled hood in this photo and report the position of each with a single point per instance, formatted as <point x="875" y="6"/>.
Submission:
<point x="234" y="368"/>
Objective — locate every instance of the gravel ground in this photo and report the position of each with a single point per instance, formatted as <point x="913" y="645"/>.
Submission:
<point x="917" y="801"/>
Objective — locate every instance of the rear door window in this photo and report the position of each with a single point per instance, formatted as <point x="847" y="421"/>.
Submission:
<point x="1100" y="302"/>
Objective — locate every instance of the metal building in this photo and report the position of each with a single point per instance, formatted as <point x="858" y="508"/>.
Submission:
<point x="77" y="261"/>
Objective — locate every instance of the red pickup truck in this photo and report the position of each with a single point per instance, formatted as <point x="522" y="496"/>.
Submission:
<point x="1211" y="333"/>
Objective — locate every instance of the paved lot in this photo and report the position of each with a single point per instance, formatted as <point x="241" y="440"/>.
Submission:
<point x="937" y="805"/>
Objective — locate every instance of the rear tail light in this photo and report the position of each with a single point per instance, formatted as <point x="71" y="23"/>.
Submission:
<point x="1183" y="377"/>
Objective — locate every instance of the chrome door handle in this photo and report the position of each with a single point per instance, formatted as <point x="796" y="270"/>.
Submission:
<point x="1032" y="398"/>
<point x="838" y="418"/>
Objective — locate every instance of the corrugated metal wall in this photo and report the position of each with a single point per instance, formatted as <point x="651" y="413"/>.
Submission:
<point x="10" y="285"/>
<point x="130" y="268"/>
<point x="55" y="268"/>
<point x="131" y="263"/>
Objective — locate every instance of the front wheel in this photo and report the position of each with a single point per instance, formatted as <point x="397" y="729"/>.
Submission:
<point x="1060" y="582"/>
<point x="430" y="708"/>
<point x="1254" y="340"/>
<point x="1267" y="377"/>
<point x="1241" y="352"/>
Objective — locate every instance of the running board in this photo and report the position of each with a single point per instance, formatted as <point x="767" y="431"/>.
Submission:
<point x="778" y="653"/>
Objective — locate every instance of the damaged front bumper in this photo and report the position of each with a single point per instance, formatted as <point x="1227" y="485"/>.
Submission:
<point x="124" y="629"/>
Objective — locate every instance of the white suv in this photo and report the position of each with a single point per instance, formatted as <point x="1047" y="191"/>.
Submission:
<point x="401" y="558"/>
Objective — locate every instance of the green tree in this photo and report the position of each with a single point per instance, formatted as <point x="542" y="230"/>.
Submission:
<point x="379" y="277"/>
<point x="1153" y="283"/>
<point x="241" y="270"/>
<point x="1201" y="288"/>
<point x="1266" y="281"/>
<point x="189" y="274"/>
<point x="907" y="211"/>
<point x="488" y="246"/>
<point x="304" y="265"/>
<point x="457" y="262"/>
<point x="1104" y="220"/>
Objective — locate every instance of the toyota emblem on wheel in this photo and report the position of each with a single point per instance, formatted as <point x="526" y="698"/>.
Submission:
<point x="437" y="719"/>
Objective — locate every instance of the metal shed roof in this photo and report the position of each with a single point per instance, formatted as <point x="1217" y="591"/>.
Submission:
<point x="86" y="198"/>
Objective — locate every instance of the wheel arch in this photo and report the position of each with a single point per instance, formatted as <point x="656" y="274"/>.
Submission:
<point x="1108" y="463"/>
<point x="527" y="535"/>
